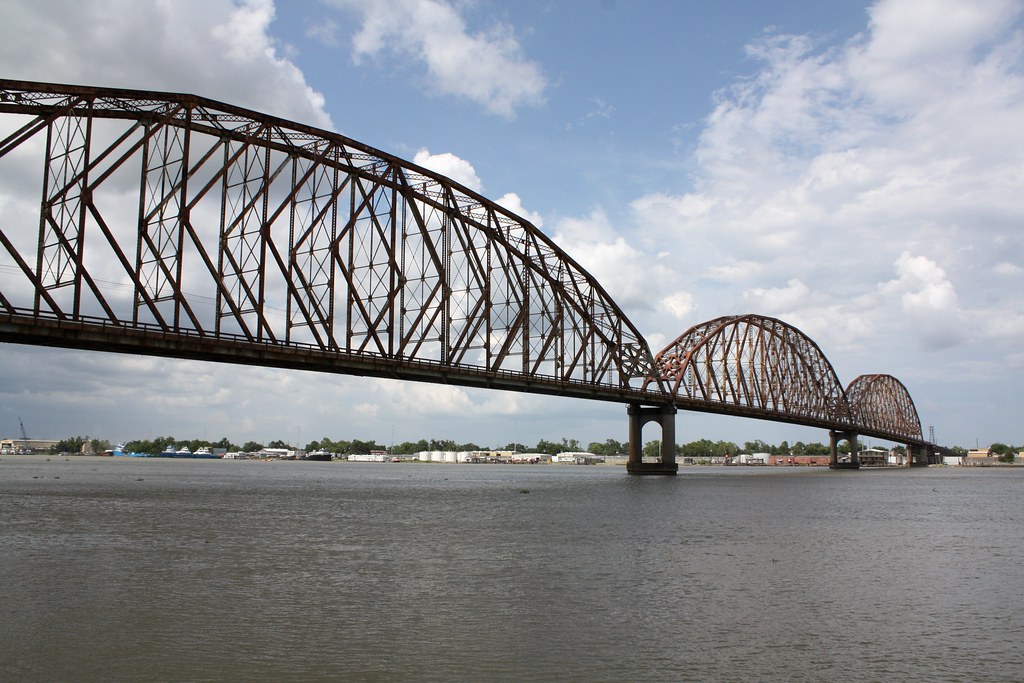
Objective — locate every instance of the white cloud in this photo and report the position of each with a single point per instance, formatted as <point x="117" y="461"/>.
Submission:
<point x="451" y="166"/>
<point x="595" y="228"/>
<point x="418" y="399"/>
<point x="366" y="410"/>
<point x="1006" y="328"/>
<point x="922" y="286"/>
<point x="323" y="31"/>
<point x="777" y="300"/>
<point x="622" y="269"/>
<point x="928" y="299"/>
<point x="826" y="167"/>
<point x="918" y="51"/>
<point x="679" y="304"/>
<point x="689" y="206"/>
<point x="215" y="48"/>
<point x="734" y="271"/>
<point x="600" y="110"/>
<point x="487" y="67"/>
<point x="514" y="203"/>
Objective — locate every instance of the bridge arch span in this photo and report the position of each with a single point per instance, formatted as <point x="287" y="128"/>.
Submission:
<point x="880" y="404"/>
<point x="756" y="365"/>
<point x="178" y="225"/>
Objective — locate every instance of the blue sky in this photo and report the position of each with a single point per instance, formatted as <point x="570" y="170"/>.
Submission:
<point x="852" y="168"/>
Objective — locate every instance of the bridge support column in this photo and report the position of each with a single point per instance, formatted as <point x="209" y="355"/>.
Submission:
<point x="918" y="456"/>
<point x="834" y="461"/>
<point x="638" y="417"/>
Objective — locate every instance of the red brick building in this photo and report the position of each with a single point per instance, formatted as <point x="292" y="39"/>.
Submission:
<point x="794" y="460"/>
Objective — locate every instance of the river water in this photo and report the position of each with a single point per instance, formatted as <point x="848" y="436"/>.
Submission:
<point x="136" y="569"/>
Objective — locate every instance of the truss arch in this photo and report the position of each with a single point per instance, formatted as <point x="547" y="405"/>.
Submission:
<point x="255" y="229"/>
<point x="882" y="404"/>
<point x="755" y="363"/>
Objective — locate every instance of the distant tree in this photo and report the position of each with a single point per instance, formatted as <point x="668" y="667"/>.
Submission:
<point x="613" y="447"/>
<point x="359" y="446"/>
<point x="548" y="447"/>
<point x="138" y="446"/>
<point x="571" y="445"/>
<point x="150" y="446"/>
<point x="706" y="448"/>
<point x="251" y="447"/>
<point x="652" y="449"/>
<point x="99" y="445"/>
<point x="195" y="444"/>
<point x="225" y="444"/>
<point x="277" y="443"/>
<point x="70" y="445"/>
<point x="695" y="449"/>
<point x="608" y="448"/>
<point x="334" y="446"/>
<point x="1008" y="456"/>
<point x="722" y="448"/>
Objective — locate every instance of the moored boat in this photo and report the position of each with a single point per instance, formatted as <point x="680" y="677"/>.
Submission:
<point x="203" y="453"/>
<point x="120" y="452"/>
<point x="320" y="455"/>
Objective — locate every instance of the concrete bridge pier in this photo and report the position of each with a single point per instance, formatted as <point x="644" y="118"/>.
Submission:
<point x="638" y="417"/>
<point x="918" y="456"/>
<point x="833" y="462"/>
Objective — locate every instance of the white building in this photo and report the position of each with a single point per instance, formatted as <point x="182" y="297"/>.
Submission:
<point x="367" y="457"/>
<point x="575" y="458"/>
<point x="278" y="453"/>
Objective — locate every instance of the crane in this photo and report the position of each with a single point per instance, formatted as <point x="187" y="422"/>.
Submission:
<point x="24" y="436"/>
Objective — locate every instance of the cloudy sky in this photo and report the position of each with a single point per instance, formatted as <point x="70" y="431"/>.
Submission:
<point x="853" y="168"/>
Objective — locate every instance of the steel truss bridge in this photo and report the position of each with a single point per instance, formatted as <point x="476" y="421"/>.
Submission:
<point x="178" y="226"/>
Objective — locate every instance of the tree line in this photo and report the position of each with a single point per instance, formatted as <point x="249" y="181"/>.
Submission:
<point x="701" y="448"/>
